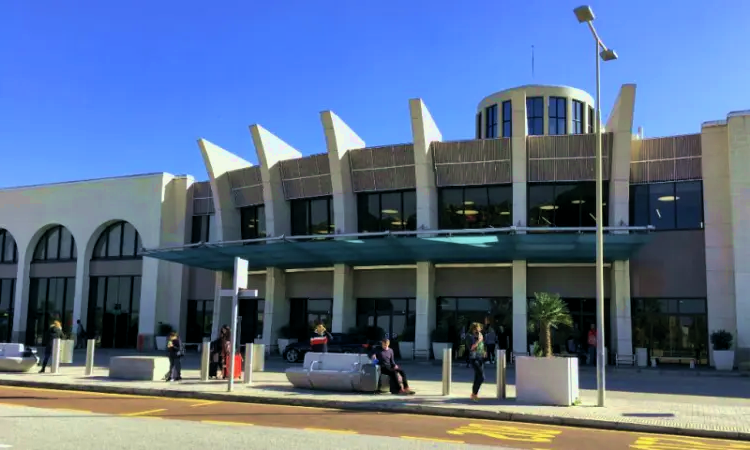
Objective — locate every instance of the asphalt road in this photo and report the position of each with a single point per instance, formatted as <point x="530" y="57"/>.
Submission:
<point x="41" y="418"/>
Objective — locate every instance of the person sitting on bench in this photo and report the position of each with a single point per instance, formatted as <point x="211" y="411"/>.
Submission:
<point x="396" y="376"/>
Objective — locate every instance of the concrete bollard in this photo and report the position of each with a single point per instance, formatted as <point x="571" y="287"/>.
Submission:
<point x="447" y="370"/>
<point x="692" y="364"/>
<point x="90" y="346"/>
<point x="500" y="373"/>
<point x="205" y="359"/>
<point x="259" y="357"/>
<point x="249" y="363"/>
<point x="653" y="362"/>
<point x="55" y="363"/>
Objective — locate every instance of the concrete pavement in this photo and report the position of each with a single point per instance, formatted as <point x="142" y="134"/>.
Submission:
<point x="694" y="406"/>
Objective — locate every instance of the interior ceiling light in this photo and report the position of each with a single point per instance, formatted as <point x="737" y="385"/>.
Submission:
<point x="389" y="211"/>
<point x="468" y="202"/>
<point x="548" y="207"/>
<point x="578" y="202"/>
<point x="505" y="213"/>
<point x="397" y="223"/>
<point x="668" y="198"/>
<point x="467" y="212"/>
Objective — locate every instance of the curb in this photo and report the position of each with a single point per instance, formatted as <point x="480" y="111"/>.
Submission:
<point x="393" y="408"/>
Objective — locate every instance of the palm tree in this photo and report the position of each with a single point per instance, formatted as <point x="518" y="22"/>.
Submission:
<point x="548" y="311"/>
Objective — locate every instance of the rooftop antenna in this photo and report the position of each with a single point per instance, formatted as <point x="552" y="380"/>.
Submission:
<point x="532" y="62"/>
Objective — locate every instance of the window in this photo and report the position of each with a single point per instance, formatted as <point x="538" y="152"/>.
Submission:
<point x="667" y="206"/>
<point x="671" y="327"/>
<point x="113" y="311"/>
<point x="201" y="229"/>
<point x="592" y="120"/>
<point x="50" y="299"/>
<point x="535" y="115"/>
<point x="8" y="249"/>
<point x="118" y="241"/>
<point x="507" y="119"/>
<point x="566" y="205"/>
<point x="392" y="315"/>
<point x="475" y="207"/>
<point x="7" y="292"/>
<point x="557" y="115"/>
<point x="56" y="244"/>
<point x="456" y="314"/>
<point x="253" y="222"/>
<point x="312" y="216"/>
<point x="199" y="320"/>
<point x="387" y="211"/>
<point x="577" y="117"/>
<point x="583" y="315"/>
<point x="305" y="313"/>
<point x="479" y="126"/>
<point x="491" y="119"/>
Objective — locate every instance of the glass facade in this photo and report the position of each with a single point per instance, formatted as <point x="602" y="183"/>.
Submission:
<point x="490" y="114"/>
<point x="113" y="311"/>
<point x="118" y="241"/>
<point x="8" y="250"/>
<point x="250" y="325"/>
<point x="7" y="292"/>
<point x="312" y="216"/>
<point x="475" y="207"/>
<point x="305" y="313"/>
<point x="535" y="115"/>
<point x="392" y="315"/>
<point x="565" y="204"/>
<point x="667" y="206"/>
<point x="592" y="120"/>
<point x="455" y="314"/>
<point x="479" y="126"/>
<point x="200" y="230"/>
<point x="583" y="313"/>
<point x="507" y="119"/>
<point x="50" y="299"/>
<point x="253" y="222"/>
<point x="56" y="244"/>
<point x="558" y="115"/>
<point x="387" y="211"/>
<point x="671" y="327"/>
<point x="200" y="319"/>
<point x="577" y="117"/>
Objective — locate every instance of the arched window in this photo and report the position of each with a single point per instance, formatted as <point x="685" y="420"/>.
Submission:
<point x="8" y="250"/>
<point x="57" y="244"/>
<point x="118" y="241"/>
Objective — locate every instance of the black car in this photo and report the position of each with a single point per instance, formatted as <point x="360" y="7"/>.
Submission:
<point x="341" y="343"/>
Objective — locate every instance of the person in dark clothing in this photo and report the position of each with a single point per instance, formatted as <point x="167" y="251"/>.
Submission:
<point x="396" y="376"/>
<point x="477" y="355"/>
<point x="175" y="351"/>
<point x="319" y="339"/>
<point x="54" y="332"/>
<point x="226" y="349"/>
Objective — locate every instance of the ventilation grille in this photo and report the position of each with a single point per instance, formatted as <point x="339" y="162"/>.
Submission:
<point x="567" y="158"/>
<point x="475" y="162"/>
<point x="674" y="158"/>
<point x="383" y="168"/>
<point x="306" y="177"/>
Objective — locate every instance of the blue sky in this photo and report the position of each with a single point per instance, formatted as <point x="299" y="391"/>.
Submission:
<point x="93" y="88"/>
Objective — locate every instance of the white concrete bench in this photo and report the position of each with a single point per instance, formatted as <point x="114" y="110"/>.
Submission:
<point x="624" y="360"/>
<point x="17" y="358"/>
<point x="331" y="371"/>
<point x="141" y="368"/>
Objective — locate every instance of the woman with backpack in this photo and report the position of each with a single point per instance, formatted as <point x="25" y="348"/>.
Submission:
<point x="175" y="351"/>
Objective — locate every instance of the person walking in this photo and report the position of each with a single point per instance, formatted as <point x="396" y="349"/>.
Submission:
<point x="226" y="349"/>
<point x="591" y="341"/>
<point x="54" y="332"/>
<point x="477" y="354"/>
<point x="175" y="352"/>
<point x="491" y="340"/>
<point x="80" y="334"/>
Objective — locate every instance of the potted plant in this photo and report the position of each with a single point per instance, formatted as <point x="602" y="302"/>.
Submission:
<point x="441" y="339"/>
<point x="541" y="378"/>
<point x="162" y="333"/>
<point x="723" y="353"/>
<point x="287" y="335"/>
<point x="406" y="343"/>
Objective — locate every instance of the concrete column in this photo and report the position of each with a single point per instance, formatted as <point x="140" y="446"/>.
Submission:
<point x="344" y="303"/>
<point x="546" y="115"/>
<point x="339" y="140"/>
<point x="718" y="229"/>
<point x="21" y="296"/>
<point x="424" y="132"/>
<point x="621" y="124"/>
<point x="739" y="191"/>
<point x="569" y="115"/>
<point x="271" y="150"/>
<point x="621" y="341"/>
<point x="519" y="158"/>
<point x="520" y="321"/>
<point x="147" y="317"/>
<point x="222" y="305"/>
<point x="426" y="310"/>
<point x="276" y="314"/>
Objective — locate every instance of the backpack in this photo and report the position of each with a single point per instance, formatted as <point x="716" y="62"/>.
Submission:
<point x="181" y="349"/>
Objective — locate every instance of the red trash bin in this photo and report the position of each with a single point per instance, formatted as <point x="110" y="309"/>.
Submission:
<point x="139" y="345"/>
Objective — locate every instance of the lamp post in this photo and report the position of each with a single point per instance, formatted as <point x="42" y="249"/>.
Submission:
<point x="584" y="14"/>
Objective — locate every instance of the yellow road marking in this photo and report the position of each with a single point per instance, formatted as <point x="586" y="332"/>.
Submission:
<point x="220" y="422"/>
<point x="206" y="403"/>
<point x="93" y="393"/>
<point x="449" y="441"/>
<point x="143" y="413"/>
<point x="685" y="443"/>
<point x="331" y="430"/>
<point x="507" y="432"/>
<point x="73" y="410"/>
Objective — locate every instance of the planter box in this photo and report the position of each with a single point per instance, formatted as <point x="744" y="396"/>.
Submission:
<point x="161" y="342"/>
<point x="547" y="381"/>
<point x="641" y="357"/>
<point x="437" y="349"/>
<point x="407" y="350"/>
<point x="282" y="343"/>
<point x="66" y="351"/>
<point x="724" y="359"/>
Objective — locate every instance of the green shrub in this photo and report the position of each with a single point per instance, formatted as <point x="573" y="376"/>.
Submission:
<point x="721" y="340"/>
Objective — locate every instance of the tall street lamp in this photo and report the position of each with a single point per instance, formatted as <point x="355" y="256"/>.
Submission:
<point x="584" y="14"/>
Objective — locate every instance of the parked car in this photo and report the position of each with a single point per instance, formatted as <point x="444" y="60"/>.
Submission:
<point x="341" y="343"/>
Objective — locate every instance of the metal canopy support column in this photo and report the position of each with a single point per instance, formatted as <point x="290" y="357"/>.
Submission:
<point x="239" y="289"/>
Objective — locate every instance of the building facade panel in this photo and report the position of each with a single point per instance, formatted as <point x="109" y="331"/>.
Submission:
<point x="474" y="282"/>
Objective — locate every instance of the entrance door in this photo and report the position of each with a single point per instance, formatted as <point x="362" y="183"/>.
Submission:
<point x="248" y="329"/>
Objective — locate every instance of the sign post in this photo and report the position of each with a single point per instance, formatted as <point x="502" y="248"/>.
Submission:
<point x="240" y="282"/>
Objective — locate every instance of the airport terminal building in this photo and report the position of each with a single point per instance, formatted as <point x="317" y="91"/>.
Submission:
<point x="412" y="238"/>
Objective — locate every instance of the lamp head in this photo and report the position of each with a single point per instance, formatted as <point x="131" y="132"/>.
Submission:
<point x="608" y="55"/>
<point x="584" y="14"/>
